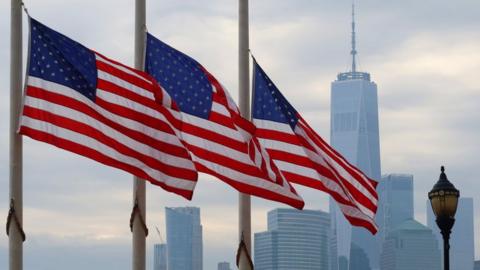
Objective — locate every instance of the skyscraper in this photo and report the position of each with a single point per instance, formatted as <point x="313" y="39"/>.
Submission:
<point x="160" y="257"/>
<point x="354" y="133"/>
<point x="223" y="266"/>
<point x="410" y="246"/>
<point x="184" y="238"/>
<point x="462" y="247"/>
<point x="358" y="259"/>
<point x="294" y="240"/>
<point x="395" y="203"/>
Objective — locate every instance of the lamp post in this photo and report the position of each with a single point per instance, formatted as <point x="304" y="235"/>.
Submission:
<point x="444" y="199"/>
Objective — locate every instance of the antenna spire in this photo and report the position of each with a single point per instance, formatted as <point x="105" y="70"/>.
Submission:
<point x="353" y="52"/>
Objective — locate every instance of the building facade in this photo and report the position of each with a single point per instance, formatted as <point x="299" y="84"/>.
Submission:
<point x="395" y="203"/>
<point x="184" y="238"/>
<point x="462" y="246"/>
<point x="354" y="132"/>
<point x="410" y="246"/>
<point x="476" y="265"/>
<point x="294" y="240"/>
<point x="223" y="266"/>
<point x="358" y="259"/>
<point x="160" y="257"/>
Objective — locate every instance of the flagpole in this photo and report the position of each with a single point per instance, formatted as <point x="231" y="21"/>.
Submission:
<point x="244" y="211"/>
<point x="139" y="230"/>
<point x="15" y="217"/>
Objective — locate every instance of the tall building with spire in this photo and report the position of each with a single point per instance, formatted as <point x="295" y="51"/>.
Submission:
<point x="354" y="133"/>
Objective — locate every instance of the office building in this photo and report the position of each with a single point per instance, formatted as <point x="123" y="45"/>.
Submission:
<point x="476" y="265"/>
<point x="294" y="240"/>
<point x="223" y="266"/>
<point x="410" y="246"/>
<point x="354" y="133"/>
<point x="358" y="259"/>
<point x="395" y="203"/>
<point x="160" y="257"/>
<point x="462" y="246"/>
<point x="184" y="238"/>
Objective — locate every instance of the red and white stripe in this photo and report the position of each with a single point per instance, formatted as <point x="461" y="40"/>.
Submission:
<point x="304" y="158"/>
<point x="124" y="127"/>
<point x="224" y="146"/>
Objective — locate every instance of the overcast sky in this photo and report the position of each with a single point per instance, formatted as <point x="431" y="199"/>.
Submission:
<point x="423" y="55"/>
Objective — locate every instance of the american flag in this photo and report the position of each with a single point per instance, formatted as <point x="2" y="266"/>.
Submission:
<point x="305" y="158"/>
<point x="85" y="103"/>
<point x="209" y="123"/>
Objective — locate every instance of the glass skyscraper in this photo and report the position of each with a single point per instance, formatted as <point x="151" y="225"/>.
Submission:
<point x="410" y="246"/>
<point x="184" y="238"/>
<point x="223" y="266"/>
<point x="395" y="203"/>
<point x="462" y="246"/>
<point x="294" y="240"/>
<point x="354" y="133"/>
<point x="160" y="257"/>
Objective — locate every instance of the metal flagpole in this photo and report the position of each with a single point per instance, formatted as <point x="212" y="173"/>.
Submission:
<point x="15" y="215"/>
<point x="137" y="220"/>
<point x="244" y="220"/>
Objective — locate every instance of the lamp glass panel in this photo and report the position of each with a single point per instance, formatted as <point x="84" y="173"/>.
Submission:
<point x="436" y="205"/>
<point x="451" y="201"/>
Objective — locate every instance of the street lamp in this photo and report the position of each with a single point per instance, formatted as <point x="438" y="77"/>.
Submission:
<point x="444" y="199"/>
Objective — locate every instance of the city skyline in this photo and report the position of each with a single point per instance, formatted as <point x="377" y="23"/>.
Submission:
<point x="428" y="87"/>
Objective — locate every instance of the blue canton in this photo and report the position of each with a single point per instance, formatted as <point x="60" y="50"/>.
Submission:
<point x="268" y="102"/>
<point x="181" y="76"/>
<point x="56" y="58"/>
